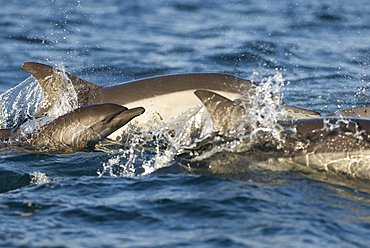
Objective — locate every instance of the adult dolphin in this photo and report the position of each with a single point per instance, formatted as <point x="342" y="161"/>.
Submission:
<point x="166" y="95"/>
<point x="339" y="144"/>
<point x="83" y="127"/>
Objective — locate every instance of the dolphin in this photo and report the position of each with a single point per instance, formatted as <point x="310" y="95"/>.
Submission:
<point x="166" y="96"/>
<point x="227" y="113"/>
<point x="332" y="144"/>
<point x="83" y="127"/>
<point x="339" y="144"/>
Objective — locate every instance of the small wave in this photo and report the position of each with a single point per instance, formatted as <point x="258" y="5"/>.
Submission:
<point x="10" y="180"/>
<point x="39" y="178"/>
<point x="31" y="40"/>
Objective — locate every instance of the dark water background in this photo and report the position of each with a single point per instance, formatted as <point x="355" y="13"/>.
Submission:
<point x="322" y="48"/>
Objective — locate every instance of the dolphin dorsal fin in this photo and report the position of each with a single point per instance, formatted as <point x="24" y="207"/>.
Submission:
<point x="54" y="81"/>
<point x="225" y="113"/>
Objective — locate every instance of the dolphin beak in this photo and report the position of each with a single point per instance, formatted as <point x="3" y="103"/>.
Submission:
<point x="115" y="121"/>
<point x="124" y="116"/>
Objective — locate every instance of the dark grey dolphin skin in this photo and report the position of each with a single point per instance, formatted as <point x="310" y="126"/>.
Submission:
<point x="347" y="123"/>
<point x="80" y="128"/>
<point x="168" y="95"/>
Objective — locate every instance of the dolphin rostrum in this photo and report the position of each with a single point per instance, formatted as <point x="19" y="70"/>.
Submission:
<point x="78" y="129"/>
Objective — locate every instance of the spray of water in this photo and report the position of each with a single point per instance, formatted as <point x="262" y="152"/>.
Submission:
<point x="39" y="178"/>
<point x="67" y="99"/>
<point x="266" y="105"/>
<point x="150" y="150"/>
<point x="19" y="102"/>
<point x="186" y="131"/>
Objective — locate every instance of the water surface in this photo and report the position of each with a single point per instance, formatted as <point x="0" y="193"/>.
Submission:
<point x="321" y="49"/>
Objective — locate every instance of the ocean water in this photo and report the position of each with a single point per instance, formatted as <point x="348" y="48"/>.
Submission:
<point x="316" y="54"/>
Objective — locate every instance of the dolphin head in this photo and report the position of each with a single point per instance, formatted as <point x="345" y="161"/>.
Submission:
<point x="114" y="118"/>
<point x="86" y="126"/>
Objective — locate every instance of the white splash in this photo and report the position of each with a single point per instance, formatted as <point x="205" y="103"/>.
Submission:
<point x="186" y="130"/>
<point x="266" y="106"/>
<point x="348" y="123"/>
<point x="39" y="178"/>
<point x="108" y="167"/>
<point x="19" y="102"/>
<point x="67" y="99"/>
<point x="163" y="143"/>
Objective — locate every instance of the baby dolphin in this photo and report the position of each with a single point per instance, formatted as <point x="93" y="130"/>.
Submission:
<point x="83" y="127"/>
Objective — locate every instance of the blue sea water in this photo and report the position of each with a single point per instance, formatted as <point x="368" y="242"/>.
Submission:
<point x="322" y="51"/>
